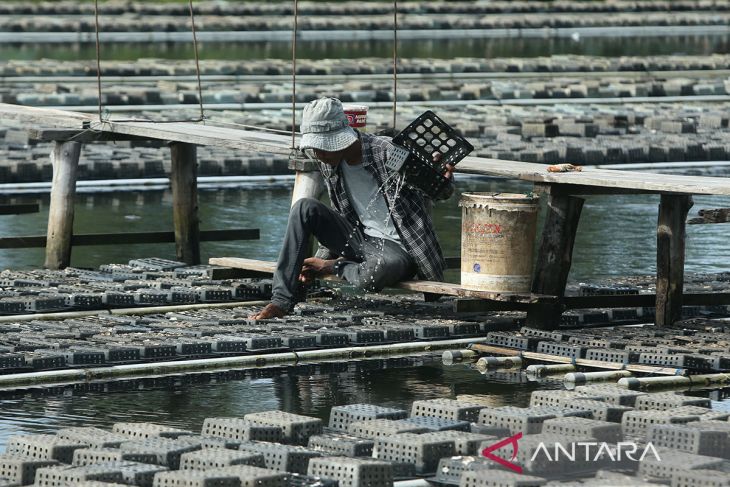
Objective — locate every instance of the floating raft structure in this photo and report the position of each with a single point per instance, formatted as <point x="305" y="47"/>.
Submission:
<point x="437" y="442"/>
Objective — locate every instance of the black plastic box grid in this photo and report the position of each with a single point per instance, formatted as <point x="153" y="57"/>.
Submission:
<point x="637" y="423"/>
<point x="332" y="338"/>
<point x="708" y="442"/>
<point x="282" y="457"/>
<point x="157" y="351"/>
<point x="666" y="401"/>
<point x="214" y="293"/>
<point x="578" y="427"/>
<point x="11" y="361"/>
<point x="193" y="347"/>
<point x="422" y="450"/>
<point x="262" y="343"/>
<point x="352" y="471"/>
<point x="168" y="452"/>
<point x="465" y="329"/>
<point x="299" y="341"/>
<point x="156" y="264"/>
<point x="512" y="341"/>
<point x="209" y="458"/>
<point x="674" y="462"/>
<point x="122" y="354"/>
<point x="437" y="424"/>
<point x="611" y="355"/>
<point x="450" y="409"/>
<point x="118" y="298"/>
<point x="561" y="349"/>
<point x="84" y="357"/>
<point x="450" y="470"/>
<point x="399" y="333"/>
<point x="298" y="480"/>
<point x="296" y="428"/>
<point x="366" y="336"/>
<point x="241" y="430"/>
<point x="67" y="475"/>
<point x="342" y="445"/>
<point x="91" y="456"/>
<point x="45" y="361"/>
<point x="44" y="447"/>
<point x="342" y="416"/>
<point x="223" y="344"/>
<point x="431" y="331"/>
<point x="20" y="469"/>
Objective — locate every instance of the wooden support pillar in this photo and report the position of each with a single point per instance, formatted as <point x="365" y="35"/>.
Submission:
<point x="184" y="182"/>
<point x="307" y="184"/>
<point x="65" y="162"/>
<point x="670" y="239"/>
<point x="554" y="257"/>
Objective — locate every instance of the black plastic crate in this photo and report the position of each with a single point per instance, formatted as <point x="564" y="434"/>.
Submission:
<point x="426" y="135"/>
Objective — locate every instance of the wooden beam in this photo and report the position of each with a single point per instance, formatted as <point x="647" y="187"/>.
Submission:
<point x="554" y="257"/>
<point x="129" y="238"/>
<point x="184" y="182"/>
<point x="671" y="235"/>
<point x="19" y="209"/>
<point x="597" y="364"/>
<point x="714" y="215"/>
<point x="80" y="135"/>
<point x="65" y="161"/>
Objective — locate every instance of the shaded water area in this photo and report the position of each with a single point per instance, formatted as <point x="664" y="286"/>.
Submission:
<point x="185" y="401"/>
<point x="440" y="49"/>
<point x="616" y="236"/>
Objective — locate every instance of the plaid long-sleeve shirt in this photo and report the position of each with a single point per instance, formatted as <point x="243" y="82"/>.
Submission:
<point x="409" y="208"/>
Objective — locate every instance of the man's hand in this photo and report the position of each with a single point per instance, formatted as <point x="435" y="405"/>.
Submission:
<point x="449" y="174"/>
<point x="270" y="311"/>
<point x="314" y="267"/>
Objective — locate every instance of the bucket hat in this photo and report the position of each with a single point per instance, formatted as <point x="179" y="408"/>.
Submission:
<point x="324" y="126"/>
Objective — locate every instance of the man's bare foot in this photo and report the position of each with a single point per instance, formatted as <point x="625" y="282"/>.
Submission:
<point x="314" y="267"/>
<point x="270" y="311"/>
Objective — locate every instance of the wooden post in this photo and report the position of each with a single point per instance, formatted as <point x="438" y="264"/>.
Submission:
<point x="670" y="238"/>
<point x="554" y="257"/>
<point x="307" y="184"/>
<point x="65" y="162"/>
<point x="184" y="182"/>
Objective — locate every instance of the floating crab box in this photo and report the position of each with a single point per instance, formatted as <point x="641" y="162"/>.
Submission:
<point x="414" y="152"/>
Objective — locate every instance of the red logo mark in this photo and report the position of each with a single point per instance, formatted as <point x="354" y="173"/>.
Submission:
<point x="487" y="452"/>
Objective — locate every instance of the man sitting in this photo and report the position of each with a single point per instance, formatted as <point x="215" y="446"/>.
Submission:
<point x="378" y="232"/>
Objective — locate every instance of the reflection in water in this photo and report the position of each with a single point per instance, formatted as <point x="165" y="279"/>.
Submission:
<point x="185" y="401"/>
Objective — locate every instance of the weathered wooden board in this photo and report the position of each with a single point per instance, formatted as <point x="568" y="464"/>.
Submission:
<point x="429" y="287"/>
<point x="597" y="178"/>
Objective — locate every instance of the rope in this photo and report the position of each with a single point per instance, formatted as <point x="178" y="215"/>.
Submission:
<point x="294" y="75"/>
<point x="104" y="120"/>
<point x="98" y="58"/>
<point x="395" y="61"/>
<point x="197" y="61"/>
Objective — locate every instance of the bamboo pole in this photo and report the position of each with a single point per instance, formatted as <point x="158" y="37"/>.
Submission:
<point x="544" y="357"/>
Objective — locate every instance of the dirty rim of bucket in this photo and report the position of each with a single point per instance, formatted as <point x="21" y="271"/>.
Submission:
<point x="357" y="115"/>
<point x="490" y="200"/>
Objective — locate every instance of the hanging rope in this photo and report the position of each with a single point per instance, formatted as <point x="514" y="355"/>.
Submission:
<point x="98" y="57"/>
<point x="395" y="61"/>
<point x="294" y="76"/>
<point x="197" y="61"/>
<point x="98" y="74"/>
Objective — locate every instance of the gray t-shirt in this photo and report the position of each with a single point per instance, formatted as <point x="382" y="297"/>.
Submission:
<point x="368" y="202"/>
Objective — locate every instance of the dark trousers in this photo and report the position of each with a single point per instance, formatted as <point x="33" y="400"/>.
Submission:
<point x="368" y="263"/>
